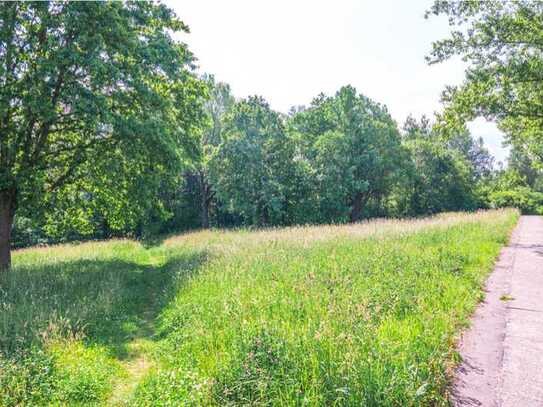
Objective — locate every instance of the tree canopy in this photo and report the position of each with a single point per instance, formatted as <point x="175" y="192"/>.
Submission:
<point x="108" y="130"/>
<point x="90" y="89"/>
<point x="354" y="148"/>
<point x="250" y="165"/>
<point x="502" y="42"/>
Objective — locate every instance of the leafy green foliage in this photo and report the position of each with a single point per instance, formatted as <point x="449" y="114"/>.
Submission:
<point x="220" y="103"/>
<point x="250" y="166"/>
<point x="511" y="189"/>
<point x="352" y="147"/>
<point x="108" y="91"/>
<point x="528" y="201"/>
<point x="90" y="90"/>
<point x="26" y="378"/>
<point x="502" y="43"/>
<point x="441" y="181"/>
<point x="443" y="172"/>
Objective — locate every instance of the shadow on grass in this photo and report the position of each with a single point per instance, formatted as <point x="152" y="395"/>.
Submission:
<point x="106" y="302"/>
<point x="153" y="241"/>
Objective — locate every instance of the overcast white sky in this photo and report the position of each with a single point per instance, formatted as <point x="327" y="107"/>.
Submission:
<point x="291" y="50"/>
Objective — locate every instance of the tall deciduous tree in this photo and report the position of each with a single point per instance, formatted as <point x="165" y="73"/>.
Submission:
<point x="81" y="82"/>
<point x="444" y="169"/>
<point x="249" y="168"/>
<point x="502" y="42"/>
<point x="354" y="148"/>
<point x="523" y="164"/>
<point x="219" y="103"/>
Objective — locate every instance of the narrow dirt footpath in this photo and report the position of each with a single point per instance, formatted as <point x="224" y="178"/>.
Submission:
<point x="502" y="352"/>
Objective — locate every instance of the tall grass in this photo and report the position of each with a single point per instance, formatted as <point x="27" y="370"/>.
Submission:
<point x="363" y="314"/>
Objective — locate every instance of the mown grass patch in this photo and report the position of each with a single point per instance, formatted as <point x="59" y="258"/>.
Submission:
<point x="332" y="315"/>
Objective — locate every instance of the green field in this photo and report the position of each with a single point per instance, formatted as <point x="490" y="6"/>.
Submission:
<point x="363" y="314"/>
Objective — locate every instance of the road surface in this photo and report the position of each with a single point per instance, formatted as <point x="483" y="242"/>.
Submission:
<point x="502" y="351"/>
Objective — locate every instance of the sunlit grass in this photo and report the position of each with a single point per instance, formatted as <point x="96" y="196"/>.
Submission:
<point x="362" y="314"/>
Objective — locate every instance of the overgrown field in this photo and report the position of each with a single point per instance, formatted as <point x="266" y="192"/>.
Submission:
<point x="365" y="314"/>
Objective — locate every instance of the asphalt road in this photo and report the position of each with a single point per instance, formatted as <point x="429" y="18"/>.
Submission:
<point x="502" y="351"/>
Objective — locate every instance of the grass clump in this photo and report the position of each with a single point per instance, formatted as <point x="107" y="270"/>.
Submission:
<point x="27" y="377"/>
<point x="506" y="297"/>
<point x="362" y="314"/>
<point x="83" y="373"/>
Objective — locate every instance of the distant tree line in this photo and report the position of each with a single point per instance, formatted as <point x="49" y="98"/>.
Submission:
<point x="340" y="159"/>
<point x="108" y="131"/>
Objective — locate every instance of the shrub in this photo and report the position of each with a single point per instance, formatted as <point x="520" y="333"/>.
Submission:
<point x="523" y="198"/>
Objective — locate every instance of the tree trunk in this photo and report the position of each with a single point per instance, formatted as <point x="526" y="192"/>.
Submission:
<point x="204" y="212"/>
<point x="206" y="195"/>
<point x="357" y="206"/>
<point x="7" y="211"/>
<point x="262" y="215"/>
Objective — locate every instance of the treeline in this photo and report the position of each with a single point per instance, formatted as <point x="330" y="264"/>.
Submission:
<point x="107" y="130"/>
<point x="340" y="159"/>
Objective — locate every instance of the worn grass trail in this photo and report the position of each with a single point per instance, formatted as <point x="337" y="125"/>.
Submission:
<point x="77" y="322"/>
<point x="137" y="361"/>
<point x="135" y="366"/>
<point x="328" y="315"/>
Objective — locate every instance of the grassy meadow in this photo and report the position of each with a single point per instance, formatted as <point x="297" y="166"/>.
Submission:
<point x="363" y="314"/>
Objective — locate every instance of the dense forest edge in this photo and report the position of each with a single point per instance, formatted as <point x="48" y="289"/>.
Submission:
<point x="109" y="130"/>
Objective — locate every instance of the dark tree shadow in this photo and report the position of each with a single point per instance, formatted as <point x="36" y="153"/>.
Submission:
<point x="149" y="242"/>
<point x="105" y="302"/>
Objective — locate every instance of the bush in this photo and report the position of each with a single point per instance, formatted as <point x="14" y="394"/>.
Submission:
<point x="523" y="198"/>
